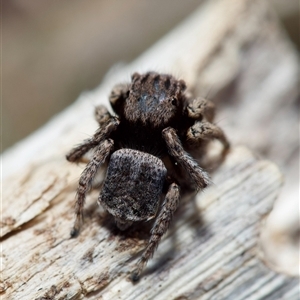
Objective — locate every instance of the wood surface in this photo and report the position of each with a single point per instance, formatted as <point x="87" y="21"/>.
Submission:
<point x="233" y="51"/>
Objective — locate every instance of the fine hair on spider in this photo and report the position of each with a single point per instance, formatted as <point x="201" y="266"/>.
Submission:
<point x="149" y="149"/>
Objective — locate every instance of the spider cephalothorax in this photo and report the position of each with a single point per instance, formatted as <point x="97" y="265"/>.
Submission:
<point x="145" y="147"/>
<point x="154" y="100"/>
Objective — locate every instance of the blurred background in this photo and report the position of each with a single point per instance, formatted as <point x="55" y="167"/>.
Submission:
<point x="54" y="50"/>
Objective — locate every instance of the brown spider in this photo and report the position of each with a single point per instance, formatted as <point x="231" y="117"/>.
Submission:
<point x="146" y="150"/>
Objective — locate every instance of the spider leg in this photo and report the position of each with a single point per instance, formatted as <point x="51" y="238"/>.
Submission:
<point x="175" y="149"/>
<point x="99" y="137"/>
<point x="102" y="115"/>
<point x="201" y="108"/>
<point x="118" y="96"/>
<point x="159" y="228"/>
<point x="86" y="178"/>
<point x="206" y="131"/>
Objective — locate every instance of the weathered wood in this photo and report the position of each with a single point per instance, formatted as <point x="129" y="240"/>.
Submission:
<point x="212" y="249"/>
<point x="213" y="240"/>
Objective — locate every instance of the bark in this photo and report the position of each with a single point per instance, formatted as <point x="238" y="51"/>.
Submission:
<point x="237" y="51"/>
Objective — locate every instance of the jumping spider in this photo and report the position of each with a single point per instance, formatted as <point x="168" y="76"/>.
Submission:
<point x="146" y="147"/>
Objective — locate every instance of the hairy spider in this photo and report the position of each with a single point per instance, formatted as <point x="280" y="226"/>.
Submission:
<point x="146" y="146"/>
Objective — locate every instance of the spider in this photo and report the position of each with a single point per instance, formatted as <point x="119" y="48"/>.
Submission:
<point x="145" y="149"/>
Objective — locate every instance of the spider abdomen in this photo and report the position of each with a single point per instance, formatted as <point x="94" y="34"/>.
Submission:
<point x="133" y="185"/>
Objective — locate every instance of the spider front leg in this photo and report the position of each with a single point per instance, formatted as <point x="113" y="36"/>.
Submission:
<point x="159" y="228"/>
<point x="206" y="131"/>
<point x="175" y="149"/>
<point x="99" y="137"/>
<point x="118" y="96"/>
<point x="85" y="181"/>
<point x="102" y="115"/>
<point x="201" y="108"/>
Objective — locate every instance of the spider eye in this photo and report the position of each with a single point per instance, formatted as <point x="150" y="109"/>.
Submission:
<point x="174" y="101"/>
